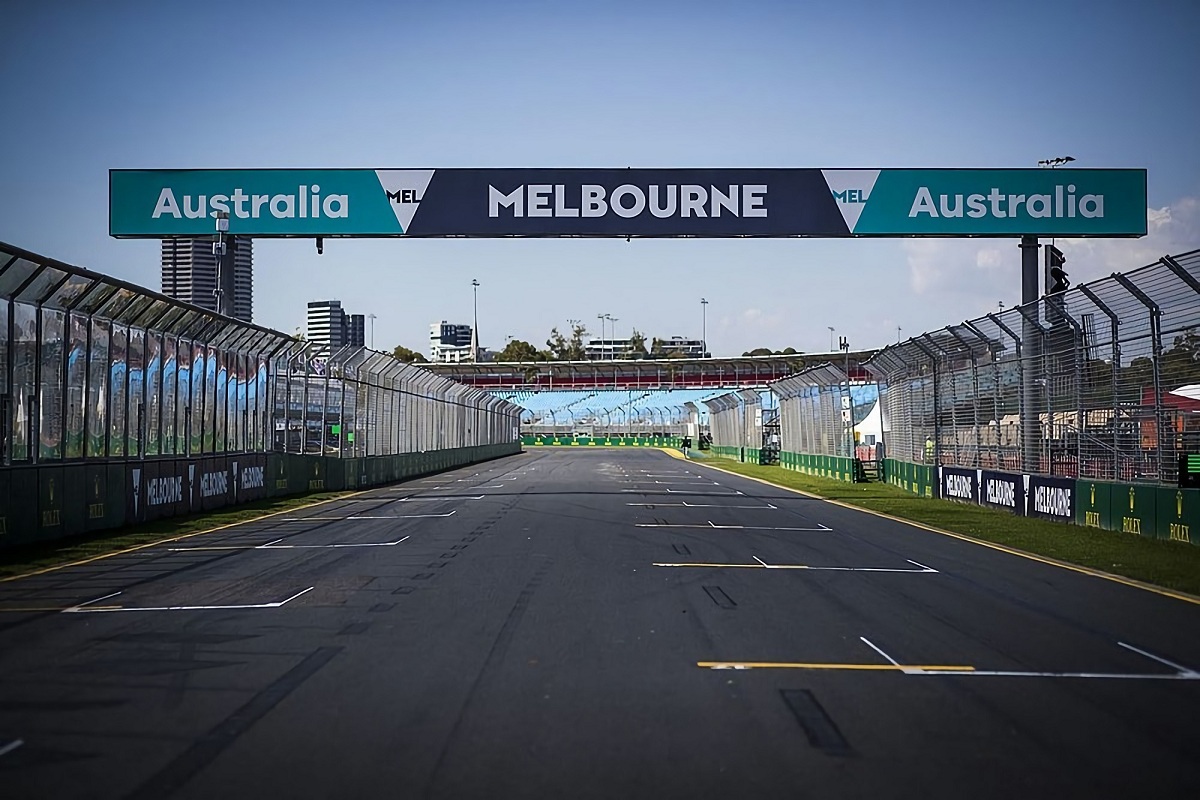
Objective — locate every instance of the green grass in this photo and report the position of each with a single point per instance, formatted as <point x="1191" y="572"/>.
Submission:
<point x="29" y="558"/>
<point x="1173" y="565"/>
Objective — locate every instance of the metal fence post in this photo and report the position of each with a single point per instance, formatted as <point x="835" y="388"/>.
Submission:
<point x="1155" y="361"/>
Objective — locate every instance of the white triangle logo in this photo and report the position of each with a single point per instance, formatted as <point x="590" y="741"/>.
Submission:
<point x="851" y="189"/>
<point x="404" y="188"/>
<point x="137" y="489"/>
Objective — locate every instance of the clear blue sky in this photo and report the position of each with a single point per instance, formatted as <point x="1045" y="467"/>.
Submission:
<point x="91" y="86"/>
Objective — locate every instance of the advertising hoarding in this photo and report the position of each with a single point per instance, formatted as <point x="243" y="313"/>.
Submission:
<point x="548" y="202"/>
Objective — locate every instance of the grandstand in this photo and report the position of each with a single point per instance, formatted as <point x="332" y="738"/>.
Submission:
<point x="614" y="412"/>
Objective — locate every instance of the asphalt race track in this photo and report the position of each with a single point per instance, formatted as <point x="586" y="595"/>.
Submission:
<point x="591" y="624"/>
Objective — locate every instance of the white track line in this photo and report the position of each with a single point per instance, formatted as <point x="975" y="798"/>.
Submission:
<point x="1182" y="669"/>
<point x="276" y="546"/>
<point x="368" y="516"/>
<point x="890" y="660"/>
<point x="1132" y="676"/>
<point x="434" y="499"/>
<point x="767" y="507"/>
<point x="13" y="745"/>
<point x="764" y="565"/>
<point x="91" y="602"/>
<point x="714" y="527"/>
<point x="107" y="609"/>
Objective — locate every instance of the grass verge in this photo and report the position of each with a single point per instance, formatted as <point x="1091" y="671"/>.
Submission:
<point x="1172" y="565"/>
<point x="29" y="558"/>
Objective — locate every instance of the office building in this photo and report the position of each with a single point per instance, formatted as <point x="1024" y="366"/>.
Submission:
<point x="356" y="331"/>
<point x="189" y="273"/>
<point x="610" y="349"/>
<point x="450" y="344"/>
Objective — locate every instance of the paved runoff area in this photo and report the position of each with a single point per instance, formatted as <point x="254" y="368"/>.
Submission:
<point x="591" y="624"/>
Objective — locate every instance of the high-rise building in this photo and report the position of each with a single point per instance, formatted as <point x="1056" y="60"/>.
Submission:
<point x="327" y="323"/>
<point x="189" y="273"/>
<point x="356" y="333"/>
<point x="450" y="343"/>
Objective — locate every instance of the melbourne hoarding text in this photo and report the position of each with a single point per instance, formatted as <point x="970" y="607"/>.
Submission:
<point x="629" y="202"/>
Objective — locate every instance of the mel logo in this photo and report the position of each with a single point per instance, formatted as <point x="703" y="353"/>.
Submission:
<point x="404" y="196"/>
<point x="850" y="196"/>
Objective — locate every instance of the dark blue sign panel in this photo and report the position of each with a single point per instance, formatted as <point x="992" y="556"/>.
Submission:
<point x="960" y="484"/>
<point x="1002" y="490"/>
<point x="1052" y="498"/>
<point x="575" y="202"/>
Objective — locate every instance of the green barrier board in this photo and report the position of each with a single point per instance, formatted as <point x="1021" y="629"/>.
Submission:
<point x="1134" y="507"/>
<point x="1093" y="505"/>
<point x="1178" y="517"/>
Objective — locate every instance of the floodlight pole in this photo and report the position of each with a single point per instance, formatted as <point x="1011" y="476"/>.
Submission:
<point x="475" y="322"/>
<point x="703" y="328"/>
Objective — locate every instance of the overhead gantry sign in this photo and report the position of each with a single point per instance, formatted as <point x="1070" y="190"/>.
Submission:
<point x="539" y="202"/>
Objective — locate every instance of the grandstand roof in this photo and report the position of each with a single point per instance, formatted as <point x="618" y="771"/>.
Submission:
<point x="649" y="374"/>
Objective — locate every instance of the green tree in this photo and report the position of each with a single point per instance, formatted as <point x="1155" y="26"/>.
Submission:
<point x="563" y="349"/>
<point x="637" y="345"/>
<point x="1181" y="362"/>
<point x="556" y="345"/>
<point x="577" y="350"/>
<point x="520" y="350"/>
<point x="402" y="353"/>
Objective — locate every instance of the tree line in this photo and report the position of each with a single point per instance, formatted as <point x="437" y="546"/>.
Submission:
<point x="569" y="346"/>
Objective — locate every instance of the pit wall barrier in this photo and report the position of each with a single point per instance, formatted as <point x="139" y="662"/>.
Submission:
<point x="1156" y="512"/>
<point x="545" y="440"/>
<point x="42" y="503"/>
<point x="748" y="455"/>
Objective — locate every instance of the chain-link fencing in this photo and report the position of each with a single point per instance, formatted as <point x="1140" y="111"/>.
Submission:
<point x="355" y="402"/>
<point x="735" y="422"/>
<point x="1100" y="381"/>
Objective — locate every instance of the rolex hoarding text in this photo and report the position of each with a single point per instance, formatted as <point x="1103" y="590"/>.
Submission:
<point x="545" y="202"/>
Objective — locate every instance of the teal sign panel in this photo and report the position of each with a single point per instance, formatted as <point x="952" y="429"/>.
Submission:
<point x="543" y="202"/>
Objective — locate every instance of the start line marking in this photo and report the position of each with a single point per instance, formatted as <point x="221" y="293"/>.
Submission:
<point x="713" y="526"/>
<point x="921" y="568"/>
<point x="276" y="546"/>
<point x="368" y="516"/>
<point x="89" y="608"/>
<point x="1181" y="673"/>
<point x="686" y="504"/>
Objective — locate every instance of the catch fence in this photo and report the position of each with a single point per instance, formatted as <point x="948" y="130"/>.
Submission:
<point x="1101" y="381"/>
<point x="354" y="402"/>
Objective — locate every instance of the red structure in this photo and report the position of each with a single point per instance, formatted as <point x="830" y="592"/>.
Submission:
<point x="676" y="373"/>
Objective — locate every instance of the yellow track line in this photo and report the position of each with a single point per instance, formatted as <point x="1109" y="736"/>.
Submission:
<point x="168" y="540"/>
<point x="802" y="665"/>
<point x="1095" y="573"/>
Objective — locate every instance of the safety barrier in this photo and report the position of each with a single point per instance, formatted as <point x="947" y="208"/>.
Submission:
<point x="1157" y="512"/>
<point x="120" y="405"/>
<point x="39" y="503"/>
